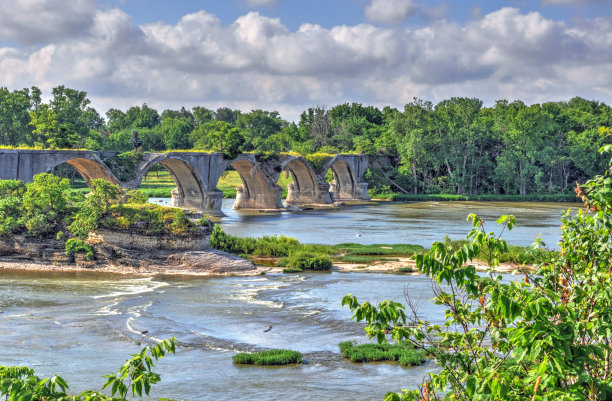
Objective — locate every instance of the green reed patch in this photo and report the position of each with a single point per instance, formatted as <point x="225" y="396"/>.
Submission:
<point x="379" y="249"/>
<point x="271" y="357"/>
<point x="404" y="353"/>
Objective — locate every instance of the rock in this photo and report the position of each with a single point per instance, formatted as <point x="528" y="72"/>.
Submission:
<point x="213" y="261"/>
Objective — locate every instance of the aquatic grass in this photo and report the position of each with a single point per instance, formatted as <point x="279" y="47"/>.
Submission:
<point x="406" y="269"/>
<point x="515" y="254"/>
<point x="404" y="353"/>
<point x="357" y="259"/>
<point x="379" y="249"/>
<point x="271" y="357"/>
<point x="292" y="270"/>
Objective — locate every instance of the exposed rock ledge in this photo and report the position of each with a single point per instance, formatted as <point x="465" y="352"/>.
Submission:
<point x="26" y="254"/>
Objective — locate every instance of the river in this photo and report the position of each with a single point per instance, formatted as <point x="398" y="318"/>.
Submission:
<point x="83" y="325"/>
<point x="419" y="223"/>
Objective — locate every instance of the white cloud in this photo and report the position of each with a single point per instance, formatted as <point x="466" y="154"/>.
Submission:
<point x="257" y="62"/>
<point x="44" y="21"/>
<point x="389" y="11"/>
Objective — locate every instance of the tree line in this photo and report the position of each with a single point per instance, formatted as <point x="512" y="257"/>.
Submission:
<point x="456" y="146"/>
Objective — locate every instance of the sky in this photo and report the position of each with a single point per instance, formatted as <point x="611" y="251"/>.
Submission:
<point x="289" y="55"/>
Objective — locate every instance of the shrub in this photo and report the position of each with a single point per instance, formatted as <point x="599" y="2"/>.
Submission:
<point x="406" y="269"/>
<point x="74" y="246"/>
<point x="271" y="357"/>
<point x="136" y="196"/>
<point x="314" y="263"/>
<point x="14" y="188"/>
<point x="292" y="270"/>
<point x="204" y="222"/>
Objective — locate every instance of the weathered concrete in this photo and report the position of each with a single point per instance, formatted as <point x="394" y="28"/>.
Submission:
<point x="196" y="175"/>
<point x="25" y="164"/>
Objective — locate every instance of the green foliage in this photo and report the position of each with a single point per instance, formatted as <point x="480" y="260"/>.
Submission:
<point x="46" y="193"/>
<point x="310" y="261"/>
<point x="357" y="259"/>
<point x="351" y="249"/>
<point x="406" y="269"/>
<point x="147" y="219"/>
<point x="545" y="337"/>
<point x="317" y="160"/>
<point x="403" y="352"/>
<point x="136" y="197"/>
<point x="271" y="357"/>
<point x="204" y="222"/>
<point x="123" y="165"/>
<point x="136" y="375"/>
<point x="12" y="188"/>
<point x="74" y="246"/>
<point x="294" y="254"/>
<point x="519" y="255"/>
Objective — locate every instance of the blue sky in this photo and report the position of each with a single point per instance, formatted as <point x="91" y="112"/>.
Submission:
<point x="288" y="55"/>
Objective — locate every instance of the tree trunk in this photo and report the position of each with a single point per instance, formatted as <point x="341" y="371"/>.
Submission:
<point x="414" y="177"/>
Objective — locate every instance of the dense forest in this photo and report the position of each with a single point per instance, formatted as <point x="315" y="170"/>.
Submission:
<point x="456" y="146"/>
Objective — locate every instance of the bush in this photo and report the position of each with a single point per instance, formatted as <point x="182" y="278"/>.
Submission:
<point x="272" y="357"/>
<point x="406" y="269"/>
<point x="14" y="188"/>
<point x="404" y="353"/>
<point x="306" y="262"/>
<point x="74" y="246"/>
<point x="204" y="222"/>
<point x="137" y="197"/>
<point x="292" y="270"/>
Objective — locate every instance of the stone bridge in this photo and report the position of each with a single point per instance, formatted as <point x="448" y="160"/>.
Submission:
<point x="196" y="175"/>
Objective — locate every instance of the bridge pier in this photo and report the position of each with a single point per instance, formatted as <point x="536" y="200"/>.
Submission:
<point x="308" y="196"/>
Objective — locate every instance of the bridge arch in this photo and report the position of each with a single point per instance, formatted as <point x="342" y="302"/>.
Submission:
<point x="306" y="187"/>
<point x="256" y="191"/>
<point x="189" y="192"/>
<point x="343" y="185"/>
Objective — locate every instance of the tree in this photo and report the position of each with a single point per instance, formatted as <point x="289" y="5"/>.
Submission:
<point x="219" y="136"/>
<point x="142" y="117"/>
<point x="176" y="133"/>
<point x="545" y="337"/>
<point x="15" y="117"/>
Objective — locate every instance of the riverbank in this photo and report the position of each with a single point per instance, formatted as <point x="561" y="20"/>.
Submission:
<point x="9" y="264"/>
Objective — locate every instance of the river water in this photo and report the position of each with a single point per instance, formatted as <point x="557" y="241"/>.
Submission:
<point x="419" y="223"/>
<point x="82" y="326"/>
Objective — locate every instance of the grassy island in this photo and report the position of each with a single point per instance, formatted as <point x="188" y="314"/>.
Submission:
<point x="404" y="353"/>
<point x="271" y="357"/>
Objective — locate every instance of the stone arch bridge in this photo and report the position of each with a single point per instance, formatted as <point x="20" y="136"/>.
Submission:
<point x="196" y="175"/>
